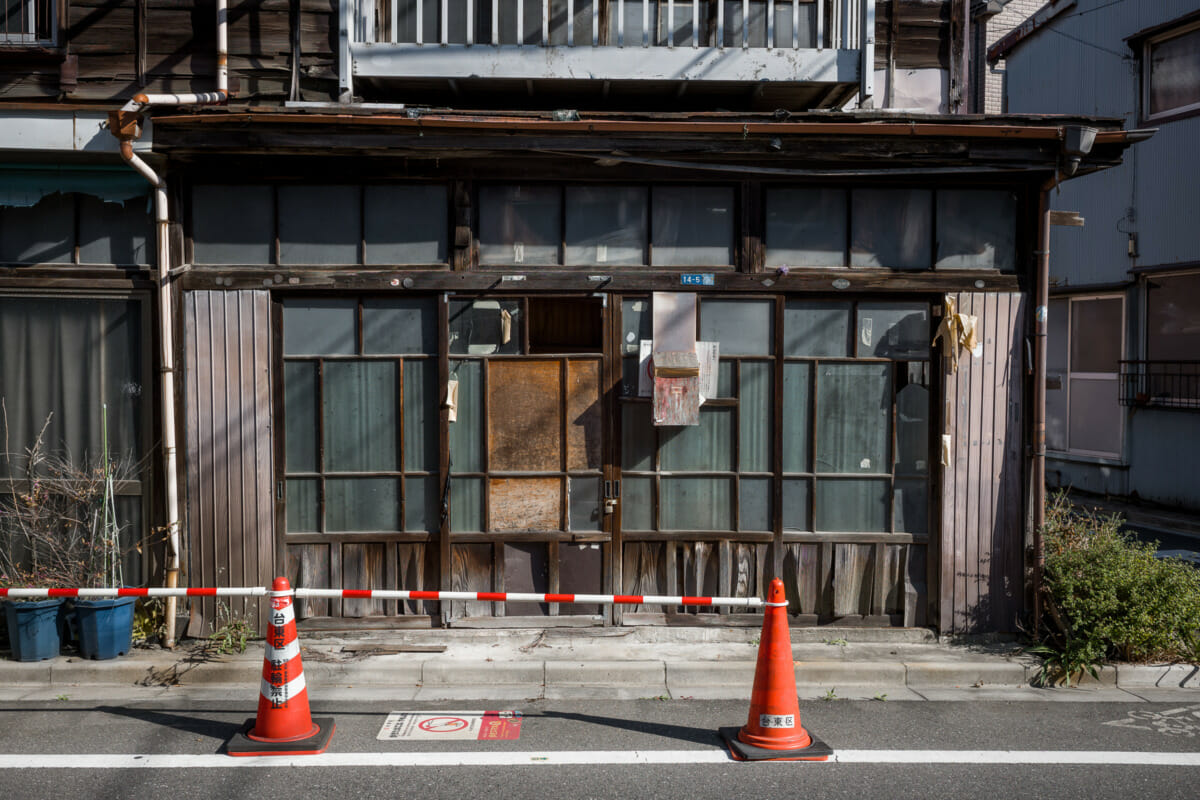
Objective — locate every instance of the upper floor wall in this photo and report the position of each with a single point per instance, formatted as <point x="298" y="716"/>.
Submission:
<point x="1094" y="58"/>
<point x="583" y="54"/>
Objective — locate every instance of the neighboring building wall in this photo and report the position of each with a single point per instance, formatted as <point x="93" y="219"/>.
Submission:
<point x="1014" y="13"/>
<point x="1140" y="216"/>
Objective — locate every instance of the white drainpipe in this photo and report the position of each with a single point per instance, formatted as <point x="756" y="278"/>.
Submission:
<point x="127" y="130"/>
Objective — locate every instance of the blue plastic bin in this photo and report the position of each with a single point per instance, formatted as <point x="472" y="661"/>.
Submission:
<point x="105" y="627"/>
<point x="33" y="629"/>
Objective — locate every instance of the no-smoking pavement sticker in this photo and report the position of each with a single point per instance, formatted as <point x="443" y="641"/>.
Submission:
<point x="473" y="725"/>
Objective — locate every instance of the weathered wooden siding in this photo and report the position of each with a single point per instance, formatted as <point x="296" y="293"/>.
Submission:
<point x="981" y="567"/>
<point x="171" y="47"/>
<point x="227" y="407"/>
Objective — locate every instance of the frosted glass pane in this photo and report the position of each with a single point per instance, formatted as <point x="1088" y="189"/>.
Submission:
<point x="584" y="503"/>
<point x="466" y="504"/>
<point x="725" y="379"/>
<point x="806" y="227"/>
<point x="406" y="224"/>
<point x="519" y="224"/>
<point x="637" y="437"/>
<point x="421" y="506"/>
<point x="319" y="224"/>
<point x="692" y="226"/>
<point x="361" y="425"/>
<point x="797" y="498"/>
<point x="421" y="421"/>
<point x="852" y="505"/>
<point x="699" y="504"/>
<point x="233" y="224"/>
<point x="706" y="447"/>
<point x="743" y="327"/>
<point x="319" y="326"/>
<point x="1096" y="334"/>
<point x="396" y="325"/>
<point x="606" y="225"/>
<point x="797" y="417"/>
<point x="894" y="330"/>
<point x="854" y="406"/>
<point x="113" y="233"/>
<point x="891" y="228"/>
<point x="911" y="507"/>
<point x="755" y="419"/>
<point x="466" y="433"/>
<point x="481" y="327"/>
<point x="755" y="504"/>
<point x="816" y="329"/>
<point x="637" y="504"/>
<point x="303" y="512"/>
<point x="300" y="415"/>
<point x="976" y="229"/>
<point x="1095" y="416"/>
<point x="362" y="504"/>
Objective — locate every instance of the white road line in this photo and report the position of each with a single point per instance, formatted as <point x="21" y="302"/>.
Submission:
<point x="567" y="757"/>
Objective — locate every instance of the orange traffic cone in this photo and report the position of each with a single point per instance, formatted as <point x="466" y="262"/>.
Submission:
<point x="284" y="726"/>
<point x="773" y="730"/>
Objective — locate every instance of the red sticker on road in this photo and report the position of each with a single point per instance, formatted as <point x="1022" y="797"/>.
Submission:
<point x="476" y="725"/>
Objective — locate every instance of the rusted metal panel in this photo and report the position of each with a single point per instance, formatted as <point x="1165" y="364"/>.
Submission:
<point x="676" y="401"/>
<point x="228" y="456"/>
<point x="584" y="415"/>
<point x="525" y="504"/>
<point x="524" y="415"/>
<point x="982" y="532"/>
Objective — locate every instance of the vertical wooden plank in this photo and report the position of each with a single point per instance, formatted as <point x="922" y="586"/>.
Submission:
<point x="993" y="544"/>
<point x="308" y="566"/>
<point x="825" y="578"/>
<point x="672" y="559"/>
<point x="1014" y="469"/>
<point x="194" y="362"/>
<point x="951" y="521"/>
<point x="879" y="584"/>
<point x="233" y="385"/>
<point x="725" y="572"/>
<point x="264" y="467"/>
<point x="968" y="567"/>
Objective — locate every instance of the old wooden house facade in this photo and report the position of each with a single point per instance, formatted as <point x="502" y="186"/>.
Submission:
<point x="375" y="298"/>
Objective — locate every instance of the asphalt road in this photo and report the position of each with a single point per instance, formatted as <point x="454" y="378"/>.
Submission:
<point x="170" y="748"/>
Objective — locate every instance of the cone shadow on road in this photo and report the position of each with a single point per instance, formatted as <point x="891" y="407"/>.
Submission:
<point x="677" y="732"/>
<point x="186" y="722"/>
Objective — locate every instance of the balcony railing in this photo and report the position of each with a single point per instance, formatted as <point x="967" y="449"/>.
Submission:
<point x="740" y="41"/>
<point x="27" y="22"/>
<point x="1161" y="384"/>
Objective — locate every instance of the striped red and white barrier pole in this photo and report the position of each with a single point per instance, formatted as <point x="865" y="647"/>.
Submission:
<point x="396" y="594"/>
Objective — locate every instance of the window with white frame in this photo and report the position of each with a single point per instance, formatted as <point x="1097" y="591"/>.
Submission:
<point x="1171" y="73"/>
<point x="1084" y="350"/>
<point x="28" y="22"/>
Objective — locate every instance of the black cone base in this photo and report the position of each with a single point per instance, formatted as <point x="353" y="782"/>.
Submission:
<point x="242" y="745"/>
<point x="817" y="751"/>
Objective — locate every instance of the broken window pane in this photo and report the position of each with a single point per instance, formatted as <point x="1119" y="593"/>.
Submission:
<point x="806" y="227"/>
<point x="485" y="327"/>
<point x="405" y="224"/>
<point x="606" y="225"/>
<point x="113" y="233"/>
<point x="743" y="327"/>
<point x="891" y="228"/>
<point x="893" y="330"/>
<point x="319" y="224"/>
<point x="39" y="234"/>
<point x="233" y="224"/>
<point x="854" y="402"/>
<point x="692" y="226"/>
<point x="976" y="229"/>
<point x="519" y="224"/>
<point x="812" y="328"/>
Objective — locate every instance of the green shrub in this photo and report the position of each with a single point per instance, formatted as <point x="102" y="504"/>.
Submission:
<point x="1108" y="597"/>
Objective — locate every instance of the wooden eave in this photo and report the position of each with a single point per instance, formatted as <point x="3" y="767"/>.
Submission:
<point x="747" y="145"/>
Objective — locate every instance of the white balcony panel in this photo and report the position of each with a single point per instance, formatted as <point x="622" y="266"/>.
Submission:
<point x="742" y="65"/>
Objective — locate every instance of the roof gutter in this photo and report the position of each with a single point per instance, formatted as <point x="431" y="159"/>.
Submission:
<point x="125" y="124"/>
